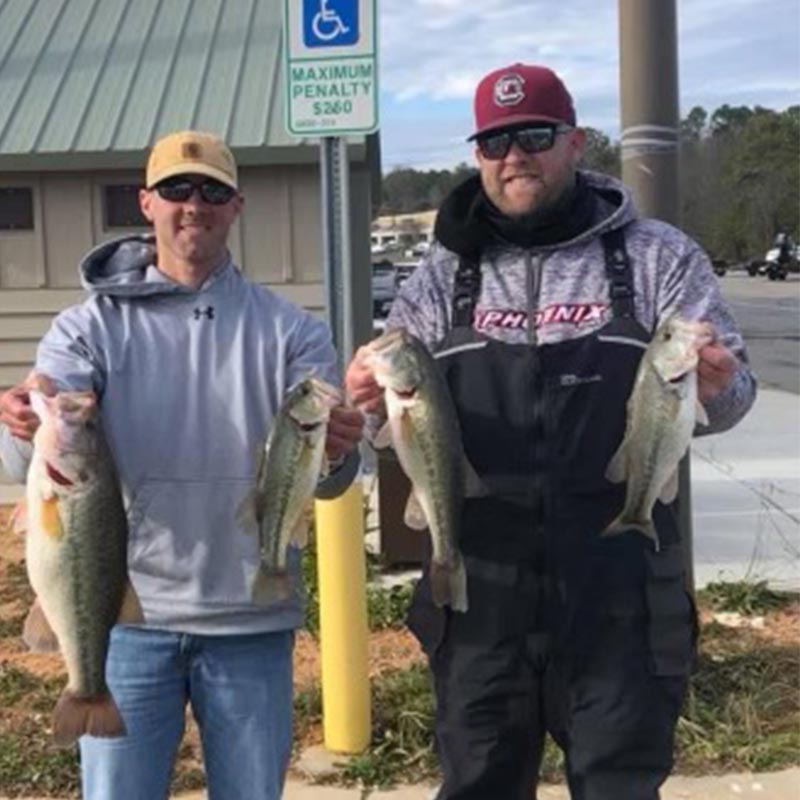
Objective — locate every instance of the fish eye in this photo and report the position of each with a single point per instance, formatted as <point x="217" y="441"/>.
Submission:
<point x="667" y="336"/>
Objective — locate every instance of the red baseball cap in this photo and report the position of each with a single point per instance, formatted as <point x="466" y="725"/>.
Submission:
<point x="518" y="94"/>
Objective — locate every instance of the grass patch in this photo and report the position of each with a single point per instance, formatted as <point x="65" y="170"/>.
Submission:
<point x="743" y="708"/>
<point x="30" y="764"/>
<point x="402" y="724"/>
<point x="745" y="597"/>
<point x="17" y="685"/>
<point x="15" y="586"/>
<point x="12" y="626"/>
<point x="742" y="713"/>
<point x="387" y="608"/>
<point x="307" y="710"/>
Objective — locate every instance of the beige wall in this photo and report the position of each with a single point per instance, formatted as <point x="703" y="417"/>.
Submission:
<point x="277" y="242"/>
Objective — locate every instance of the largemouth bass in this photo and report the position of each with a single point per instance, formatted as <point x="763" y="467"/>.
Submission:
<point x="290" y="466"/>
<point x="661" y="415"/>
<point x="76" y="553"/>
<point x="423" y="428"/>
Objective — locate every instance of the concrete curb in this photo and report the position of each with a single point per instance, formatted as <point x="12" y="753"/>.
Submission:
<point x="784" y="785"/>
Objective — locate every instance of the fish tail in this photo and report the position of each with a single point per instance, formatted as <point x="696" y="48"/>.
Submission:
<point x="644" y="526"/>
<point x="449" y="583"/>
<point x="271" y="586"/>
<point x="75" y="716"/>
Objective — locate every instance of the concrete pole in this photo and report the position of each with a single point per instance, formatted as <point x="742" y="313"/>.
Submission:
<point x="650" y="110"/>
<point x="650" y="106"/>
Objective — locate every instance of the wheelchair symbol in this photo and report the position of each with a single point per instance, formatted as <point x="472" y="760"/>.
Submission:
<point x="327" y="24"/>
<point x="330" y="23"/>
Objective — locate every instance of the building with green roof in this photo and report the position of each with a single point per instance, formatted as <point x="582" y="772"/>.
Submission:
<point x="86" y="87"/>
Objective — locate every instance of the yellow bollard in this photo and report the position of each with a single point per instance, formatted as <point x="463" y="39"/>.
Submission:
<point x="342" y="570"/>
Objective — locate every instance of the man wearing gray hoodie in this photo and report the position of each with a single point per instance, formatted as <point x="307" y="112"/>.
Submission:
<point x="190" y="362"/>
<point x="538" y="297"/>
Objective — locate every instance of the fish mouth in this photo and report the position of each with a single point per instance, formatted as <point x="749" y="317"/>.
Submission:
<point x="308" y="427"/>
<point x="56" y="476"/>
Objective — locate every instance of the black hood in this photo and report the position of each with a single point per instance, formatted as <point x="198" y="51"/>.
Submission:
<point x="461" y="224"/>
<point x="468" y="222"/>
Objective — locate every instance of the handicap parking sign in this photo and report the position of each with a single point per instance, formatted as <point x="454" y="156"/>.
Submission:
<point x="330" y="23"/>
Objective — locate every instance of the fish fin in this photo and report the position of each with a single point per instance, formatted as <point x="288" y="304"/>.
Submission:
<point x="299" y="536"/>
<point x="643" y="526"/>
<point x="701" y="417"/>
<point x="75" y="716"/>
<point x="50" y="519"/>
<point x="36" y="631"/>
<point x="617" y="469"/>
<point x="247" y="513"/>
<point x="670" y="489"/>
<point x="414" y="515"/>
<point x="473" y="485"/>
<point x="270" y="586"/>
<point x="383" y="438"/>
<point x="18" y="523"/>
<point x="130" y="611"/>
<point x="449" y="583"/>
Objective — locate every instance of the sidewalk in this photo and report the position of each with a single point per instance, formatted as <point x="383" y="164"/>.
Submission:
<point x="746" y="497"/>
<point x="772" y="786"/>
<point x="783" y="785"/>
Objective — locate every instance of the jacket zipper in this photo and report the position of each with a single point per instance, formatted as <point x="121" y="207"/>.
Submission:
<point x="533" y="278"/>
<point x="537" y="426"/>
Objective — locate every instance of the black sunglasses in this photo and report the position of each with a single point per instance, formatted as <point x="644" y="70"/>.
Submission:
<point x="534" y="139"/>
<point x="179" y="190"/>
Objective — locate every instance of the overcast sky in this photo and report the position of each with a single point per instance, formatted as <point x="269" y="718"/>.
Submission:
<point x="432" y="53"/>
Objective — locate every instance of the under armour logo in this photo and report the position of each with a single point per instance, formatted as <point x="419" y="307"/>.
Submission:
<point x="207" y="312"/>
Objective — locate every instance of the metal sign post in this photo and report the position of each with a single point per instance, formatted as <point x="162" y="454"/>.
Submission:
<point x="331" y="90"/>
<point x="336" y="243"/>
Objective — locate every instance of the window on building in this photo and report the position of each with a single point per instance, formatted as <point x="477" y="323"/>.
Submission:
<point x="16" y="208"/>
<point x="121" y="207"/>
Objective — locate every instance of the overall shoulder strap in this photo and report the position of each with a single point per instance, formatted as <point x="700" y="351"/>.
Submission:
<point x="466" y="291"/>
<point x="619" y="274"/>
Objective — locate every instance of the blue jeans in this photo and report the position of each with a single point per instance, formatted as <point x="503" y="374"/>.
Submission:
<point x="240" y="689"/>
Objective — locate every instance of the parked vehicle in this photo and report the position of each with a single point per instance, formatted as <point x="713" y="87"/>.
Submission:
<point x="776" y="268"/>
<point x="402" y="272"/>
<point x="720" y="266"/>
<point x="383" y="288"/>
<point x="756" y="266"/>
<point x="418" y="250"/>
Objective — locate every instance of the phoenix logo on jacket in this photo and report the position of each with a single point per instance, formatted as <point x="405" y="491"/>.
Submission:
<point x="578" y="314"/>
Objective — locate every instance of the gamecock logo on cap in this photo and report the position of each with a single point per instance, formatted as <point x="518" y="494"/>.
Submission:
<point x="508" y="90"/>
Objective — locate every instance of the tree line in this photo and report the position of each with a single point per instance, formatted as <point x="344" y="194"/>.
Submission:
<point x="740" y="178"/>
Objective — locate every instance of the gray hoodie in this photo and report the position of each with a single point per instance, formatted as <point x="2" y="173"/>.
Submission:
<point x="188" y="382"/>
<point x="559" y="292"/>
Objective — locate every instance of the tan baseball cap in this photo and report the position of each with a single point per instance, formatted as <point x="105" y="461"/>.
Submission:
<point x="191" y="152"/>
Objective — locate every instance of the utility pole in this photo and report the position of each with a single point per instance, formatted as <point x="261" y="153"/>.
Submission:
<point x="650" y="110"/>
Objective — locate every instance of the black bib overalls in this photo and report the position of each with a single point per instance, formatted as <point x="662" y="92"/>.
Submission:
<point x="588" y="638"/>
